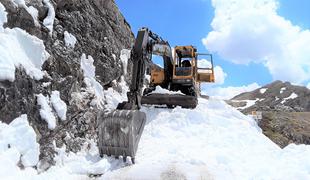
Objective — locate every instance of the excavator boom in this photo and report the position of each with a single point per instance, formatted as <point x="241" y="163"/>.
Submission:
<point x="121" y="129"/>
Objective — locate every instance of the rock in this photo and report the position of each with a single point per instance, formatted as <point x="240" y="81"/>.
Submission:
<point x="102" y="32"/>
<point x="286" y="127"/>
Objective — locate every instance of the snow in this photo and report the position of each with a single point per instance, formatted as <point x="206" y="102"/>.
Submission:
<point x="161" y="90"/>
<point x="249" y="103"/>
<point x="213" y="141"/>
<point x="125" y="56"/>
<point x="3" y="18"/>
<point x="70" y="39"/>
<point x="31" y="10"/>
<point x="59" y="105"/>
<point x="19" y="49"/>
<point x="17" y="142"/>
<point x="92" y="84"/>
<point x="282" y="90"/>
<point x="46" y="111"/>
<point x="49" y="20"/>
<point x="263" y="90"/>
<point x="292" y="96"/>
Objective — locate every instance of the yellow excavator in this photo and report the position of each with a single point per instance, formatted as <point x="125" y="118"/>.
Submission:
<point x="120" y="130"/>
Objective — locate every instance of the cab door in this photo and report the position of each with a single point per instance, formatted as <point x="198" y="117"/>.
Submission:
<point x="204" y="69"/>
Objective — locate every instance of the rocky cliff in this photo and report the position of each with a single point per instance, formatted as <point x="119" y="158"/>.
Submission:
<point x="100" y="30"/>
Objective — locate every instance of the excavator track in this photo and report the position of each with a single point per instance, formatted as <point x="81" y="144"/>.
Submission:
<point x="171" y="100"/>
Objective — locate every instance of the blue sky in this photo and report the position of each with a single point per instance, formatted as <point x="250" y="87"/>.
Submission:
<point x="184" y="22"/>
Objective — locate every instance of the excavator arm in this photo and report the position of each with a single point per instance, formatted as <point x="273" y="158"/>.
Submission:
<point x="121" y="129"/>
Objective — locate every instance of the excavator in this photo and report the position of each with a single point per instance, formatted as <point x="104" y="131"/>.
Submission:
<point x="120" y="130"/>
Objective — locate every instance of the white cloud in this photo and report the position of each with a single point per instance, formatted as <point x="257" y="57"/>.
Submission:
<point x="247" y="31"/>
<point x="308" y="86"/>
<point x="219" y="73"/>
<point x="226" y="93"/>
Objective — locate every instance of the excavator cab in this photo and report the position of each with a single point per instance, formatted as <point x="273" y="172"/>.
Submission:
<point x="183" y="65"/>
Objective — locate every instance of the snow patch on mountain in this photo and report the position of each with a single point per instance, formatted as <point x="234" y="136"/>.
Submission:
<point x="87" y="65"/>
<point x="70" y="39"/>
<point x="282" y="90"/>
<point x="263" y="90"/>
<point x="292" y="96"/>
<point x="31" y="10"/>
<point x="49" y="20"/>
<point x="59" y="105"/>
<point x="46" y="111"/>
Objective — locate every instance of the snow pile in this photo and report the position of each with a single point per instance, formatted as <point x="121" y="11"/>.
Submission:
<point x="213" y="141"/>
<point x="46" y="111"/>
<point x="17" y="143"/>
<point x="282" y="90"/>
<point x="161" y="90"/>
<point x="263" y="90"/>
<point x="85" y="162"/>
<point x="70" y="39"/>
<point x="49" y="20"/>
<point x="59" y="105"/>
<point x="292" y="96"/>
<point x="18" y="48"/>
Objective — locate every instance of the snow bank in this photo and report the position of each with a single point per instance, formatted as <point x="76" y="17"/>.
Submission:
<point x="49" y="20"/>
<point x="85" y="162"/>
<point x="46" y="111"/>
<point x="59" y="105"/>
<point x="18" y="48"/>
<point x="70" y="39"/>
<point x="17" y="142"/>
<point x="213" y="141"/>
<point x="263" y="90"/>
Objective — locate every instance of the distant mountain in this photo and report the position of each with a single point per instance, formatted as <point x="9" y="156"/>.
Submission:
<point x="277" y="96"/>
<point x="285" y="111"/>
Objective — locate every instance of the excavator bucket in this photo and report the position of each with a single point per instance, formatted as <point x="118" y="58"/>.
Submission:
<point x="120" y="132"/>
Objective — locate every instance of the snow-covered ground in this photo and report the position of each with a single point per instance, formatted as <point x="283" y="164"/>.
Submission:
<point x="212" y="141"/>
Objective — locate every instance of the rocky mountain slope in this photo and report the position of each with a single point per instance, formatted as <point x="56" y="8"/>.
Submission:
<point x="278" y="96"/>
<point x="68" y="29"/>
<point x="285" y="107"/>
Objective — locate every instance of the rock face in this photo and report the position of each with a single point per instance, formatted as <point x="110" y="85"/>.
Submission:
<point x="101" y="31"/>
<point x="285" y="111"/>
